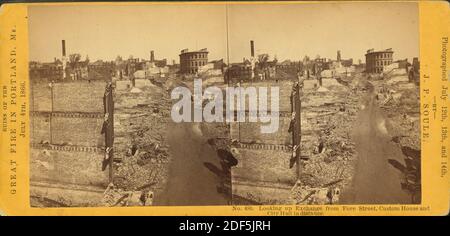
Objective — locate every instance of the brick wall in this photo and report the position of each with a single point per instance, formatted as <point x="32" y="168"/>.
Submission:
<point x="79" y="96"/>
<point x="267" y="194"/>
<point x="262" y="165"/>
<point x="40" y="96"/>
<point x="69" y="128"/>
<point x="263" y="174"/>
<point x="251" y="132"/>
<point x="68" y="166"/>
<point x="285" y="89"/>
<point x="215" y="129"/>
<point x="248" y="132"/>
<point x="40" y="128"/>
<point x="78" y="131"/>
<point x="82" y="196"/>
<point x="72" y="96"/>
<point x="77" y="112"/>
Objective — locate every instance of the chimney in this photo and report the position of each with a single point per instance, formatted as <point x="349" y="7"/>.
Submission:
<point x="338" y="55"/>
<point x="64" y="58"/>
<point x="252" y="48"/>
<point x="152" y="55"/>
<point x="63" y="48"/>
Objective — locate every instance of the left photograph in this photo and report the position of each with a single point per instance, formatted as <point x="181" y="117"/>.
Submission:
<point x="100" y="106"/>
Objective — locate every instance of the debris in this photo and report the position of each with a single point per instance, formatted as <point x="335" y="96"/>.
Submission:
<point x="114" y="196"/>
<point x="304" y="194"/>
<point x="327" y="149"/>
<point x="140" y="150"/>
<point x="322" y="89"/>
<point x="135" y="90"/>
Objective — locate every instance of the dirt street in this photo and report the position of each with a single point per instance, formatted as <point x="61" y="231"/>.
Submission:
<point x="190" y="182"/>
<point x="375" y="180"/>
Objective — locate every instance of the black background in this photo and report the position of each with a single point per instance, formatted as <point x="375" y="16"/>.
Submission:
<point x="165" y="226"/>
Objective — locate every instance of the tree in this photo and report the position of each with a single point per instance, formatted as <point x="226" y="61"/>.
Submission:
<point x="262" y="60"/>
<point x="74" y="59"/>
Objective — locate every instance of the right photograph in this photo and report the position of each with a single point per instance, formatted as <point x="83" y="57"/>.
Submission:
<point x="349" y="123"/>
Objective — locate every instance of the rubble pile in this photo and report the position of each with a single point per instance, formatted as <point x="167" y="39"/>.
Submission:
<point x="115" y="196"/>
<point x="307" y="195"/>
<point x="400" y="102"/>
<point x="328" y="152"/>
<point x="140" y="148"/>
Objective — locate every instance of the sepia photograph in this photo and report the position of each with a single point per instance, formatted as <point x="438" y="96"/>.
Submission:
<point x="184" y="104"/>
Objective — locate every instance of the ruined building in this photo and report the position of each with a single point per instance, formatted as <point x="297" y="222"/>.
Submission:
<point x="377" y="60"/>
<point x="244" y="70"/>
<point x="71" y="142"/>
<point x="71" y="134"/>
<point x="267" y="163"/>
<point x="190" y="62"/>
<point x="155" y="62"/>
<point x="51" y="70"/>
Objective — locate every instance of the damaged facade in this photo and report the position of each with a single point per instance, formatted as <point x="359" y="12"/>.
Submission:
<point x="191" y="61"/>
<point x="265" y="172"/>
<point x="376" y="61"/>
<point x="70" y="144"/>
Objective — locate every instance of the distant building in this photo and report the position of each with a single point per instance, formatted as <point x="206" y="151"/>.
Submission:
<point x="100" y="70"/>
<point x="133" y="65"/>
<point x="319" y="65"/>
<point x="289" y="68"/>
<point x="239" y="71"/>
<point x="218" y="64"/>
<point x="140" y="67"/>
<point x="51" y="70"/>
<point x="120" y="67"/>
<point x="347" y="62"/>
<point x="190" y="62"/>
<point x="174" y="68"/>
<point x="158" y="63"/>
<point x="55" y="70"/>
<point x="338" y="63"/>
<point x="377" y="60"/>
<point x="403" y="64"/>
<point x="213" y="68"/>
<point x="77" y="70"/>
<point x="267" y="70"/>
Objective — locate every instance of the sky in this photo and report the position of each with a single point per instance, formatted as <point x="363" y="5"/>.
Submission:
<point x="287" y="31"/>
